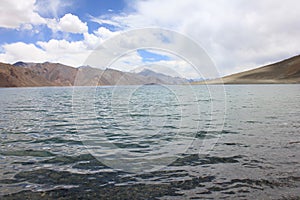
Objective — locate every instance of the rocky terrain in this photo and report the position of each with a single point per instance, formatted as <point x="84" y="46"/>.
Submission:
<point x="286" y="71"/>
<point x="23" y="74"/>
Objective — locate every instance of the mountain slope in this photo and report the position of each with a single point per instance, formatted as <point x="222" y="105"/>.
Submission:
<point x="286" y="71"/>
<point x="11" y="76"/>
<point x="55" y="74"/>
<point x="92" y="76"/>
<point x="162" y="77"/>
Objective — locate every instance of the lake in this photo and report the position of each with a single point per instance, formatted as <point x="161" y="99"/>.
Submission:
<point x="150" y="142"/>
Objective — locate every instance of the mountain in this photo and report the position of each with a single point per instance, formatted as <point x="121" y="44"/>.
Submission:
<point x="23" y="64"/>
<point x="56" y="73"/>
<point x="162" y="77"/>
<point x="286" y="71"/>
<point x="23" y="74"/>
<point x="11" y="76"/>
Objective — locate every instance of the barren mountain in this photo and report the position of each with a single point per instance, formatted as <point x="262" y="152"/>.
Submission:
<point x="55" y="74"/>
<point x="11" y="76"/>
<point x="286" y="71"/>
<point x="162" y="77"/>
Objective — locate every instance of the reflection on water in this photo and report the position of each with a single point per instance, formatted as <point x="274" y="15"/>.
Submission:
<point x="46" y="146"/>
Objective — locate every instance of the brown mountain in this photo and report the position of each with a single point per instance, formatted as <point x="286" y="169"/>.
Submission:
<point x="55" y="74"/>
<point x="286" y="71"/>
<point x="162" y="77"/>
<point x="11" y="76"/>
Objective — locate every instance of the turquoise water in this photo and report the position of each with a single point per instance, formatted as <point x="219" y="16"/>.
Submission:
<point x="146" y="142"/>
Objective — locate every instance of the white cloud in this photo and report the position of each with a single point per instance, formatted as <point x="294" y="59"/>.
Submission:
<point x="91" y="40"/>
<point x="23" y="52"/>
<point x="177" y="67"/>
<point x="61" y="46"/>
<point x="52" y="8"/>
<point x="23" y="15"/>
<point x="119" y="51"/>
<point x="154" y="39"/>
<point x="105" y="21"/>
<point x="98" y="36"/>
<point x="26" y="27"/>
<point x="68" y="23"/>
<point x="14" y="13"/>
<point x="104" y="33"/>
<point x="237" y="34"/>
<point x="128" y="62"/>
<point x="62" y="51"/>
<point x="70" y="53"/>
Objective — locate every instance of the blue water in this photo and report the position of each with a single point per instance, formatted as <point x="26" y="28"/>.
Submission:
<point x="150" y="142"/>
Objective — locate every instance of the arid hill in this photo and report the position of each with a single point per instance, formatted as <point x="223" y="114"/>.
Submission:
<point x="286" y="71"/>
<point x="162" y="77"/>
<point x="55" y="74"/>
<point x="11" y="76"/>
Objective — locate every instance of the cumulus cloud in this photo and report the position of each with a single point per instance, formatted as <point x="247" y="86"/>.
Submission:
<point x="21" y="51"/>
<point x="69" y="53"/>
<point x="61" y="46"/>
<point x="102" y="21"/>
<point x="77" y="53"/>
<point x="121" y="52"/>
<point x="237" y="35"/>
<point x="93" y="40"/>
<point x="14" y="13"/>
<point x="73" y="53"/>
<point x="23" y="15"/>
<point x="52" y="8"/>
<point x="104" y="33"/>
<point x="68" y="23"/>
<point x="174" y="66"/>
<point x="128" y="62"/>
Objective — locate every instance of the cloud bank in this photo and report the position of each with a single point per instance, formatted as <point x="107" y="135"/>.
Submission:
<point x="237" y="34"/>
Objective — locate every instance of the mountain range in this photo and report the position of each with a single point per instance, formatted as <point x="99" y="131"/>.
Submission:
<point x="286" y="71"/>
<point x="23" y="74"/>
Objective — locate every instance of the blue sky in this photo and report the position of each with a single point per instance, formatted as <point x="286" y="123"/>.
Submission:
<point x="84" y="9"/>
<point x="237" y="35"/>
<point x="149" y="56"/>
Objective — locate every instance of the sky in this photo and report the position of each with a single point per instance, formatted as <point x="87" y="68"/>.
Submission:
<point x="237" y="35"/>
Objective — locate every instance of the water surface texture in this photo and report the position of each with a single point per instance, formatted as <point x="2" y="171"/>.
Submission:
<point x="55" y="144"/>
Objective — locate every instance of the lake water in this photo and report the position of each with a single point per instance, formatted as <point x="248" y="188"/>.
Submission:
<point x="150" y="142"/>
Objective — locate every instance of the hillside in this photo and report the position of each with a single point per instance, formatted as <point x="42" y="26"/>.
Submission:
<point x="162" y="77"/>
<point x="286" y="71"/>
<point x="11" y="76"/>
<point x="55" y="74"/>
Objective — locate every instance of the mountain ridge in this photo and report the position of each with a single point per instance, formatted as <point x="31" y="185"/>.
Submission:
<point x="22" y="74"/>
<point x="286" y="71"/>
<point x="163" y="77"/>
